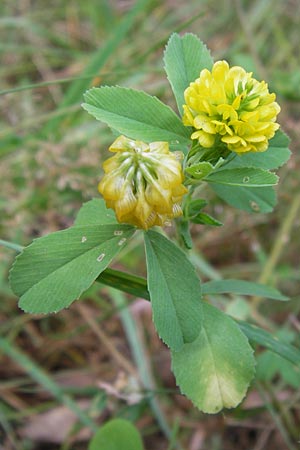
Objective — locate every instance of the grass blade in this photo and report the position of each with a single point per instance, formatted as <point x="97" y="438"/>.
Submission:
<point x="75" y="92"/>
<point x="41" y="377"/>
<point x="264" y="338"/>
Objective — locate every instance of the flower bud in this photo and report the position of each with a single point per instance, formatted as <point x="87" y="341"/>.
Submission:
<point x="143" y="182"/>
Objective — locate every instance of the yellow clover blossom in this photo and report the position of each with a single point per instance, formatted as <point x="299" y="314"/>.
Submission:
<point x="230" y="106"/>
<point x="142" y="182"/>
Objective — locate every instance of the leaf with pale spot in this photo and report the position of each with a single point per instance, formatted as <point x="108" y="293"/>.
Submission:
<point x="253" y="200"/>
<point x="56" y="269"/>
<point x="247" y="177"/>
<point x="216" y="369"/>
<point x="249" y="198"/>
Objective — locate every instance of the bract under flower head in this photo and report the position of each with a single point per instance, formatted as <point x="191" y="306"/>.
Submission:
<point x="142" y="182"/>
<point x="227" y="106"/>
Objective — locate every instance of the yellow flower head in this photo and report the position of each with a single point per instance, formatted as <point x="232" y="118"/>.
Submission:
<point x="228" y="106"/>
<point x="142" y="182"/>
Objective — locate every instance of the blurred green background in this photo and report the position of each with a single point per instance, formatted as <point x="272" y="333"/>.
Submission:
<point x="101" y="355"/>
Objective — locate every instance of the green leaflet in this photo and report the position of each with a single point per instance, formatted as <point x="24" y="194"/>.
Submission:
<point x="184" y="59"/>
<point x="243" y="176"/>
<point x="277" y="154"/>
<point x="199" y="170"/>
<point x="241" y="287"/>
<point x="245" y="188"/>
<point x="94" y="212"/>
<point x="206" y="219"/>
<point x="194" y="206"/>
<point x="174" y="291"/>
<point x="137" y="115"/>
<point x="185" y="233"/>
<point x="56" y="269"/>
<point x="117" y="434"/>
<point x="216" y="369"/>
<point x="253" y="200"/>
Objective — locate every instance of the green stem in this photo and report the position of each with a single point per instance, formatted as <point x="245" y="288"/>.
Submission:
<point x="12" y="245"/>
<point x="125" y="282"/>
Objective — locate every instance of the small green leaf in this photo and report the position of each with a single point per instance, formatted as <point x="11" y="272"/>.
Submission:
<point x="264" y="338"/>
<point x="184" y="59"/>
<point x="56" y="269"/>
<point x="95" y="212"/>
<point x="174" y="291"/>
<point x="276" y="155"/>
<point x="253" y="200"/>
<point x="136" y="115"/>
<point x="246" y="177"/>
<point x="117" y="434"/>
<point x="206" y="219"/>
<point x="184" y="229"/>
<point x="241" y="287"/>
<point x="195" y="206"/>
<point x="199" y="170"/>
<point x="216" y="369"/>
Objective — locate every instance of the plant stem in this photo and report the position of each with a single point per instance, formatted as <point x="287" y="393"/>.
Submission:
<point x="12" y="245"/>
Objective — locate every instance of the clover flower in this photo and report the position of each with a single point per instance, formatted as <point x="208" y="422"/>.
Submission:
<point x="228" y="107"/>
<point x="143" y="182"/>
